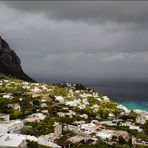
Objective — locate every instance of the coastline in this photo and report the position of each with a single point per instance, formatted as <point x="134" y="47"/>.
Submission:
<point x="129" y="97"/>
<point x="133" y="104"/>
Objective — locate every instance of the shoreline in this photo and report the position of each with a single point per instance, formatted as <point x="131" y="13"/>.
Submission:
<point x="127" y="97"/>
<point x="131" y="105"/>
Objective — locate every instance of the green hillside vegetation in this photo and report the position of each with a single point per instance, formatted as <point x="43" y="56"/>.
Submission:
<point x="30" y="104"/>
<point x="53" y="100"/>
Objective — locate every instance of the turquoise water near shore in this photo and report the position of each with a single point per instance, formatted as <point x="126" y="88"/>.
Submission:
<point x="131" y="96"/>
<point x="133" y="104"/>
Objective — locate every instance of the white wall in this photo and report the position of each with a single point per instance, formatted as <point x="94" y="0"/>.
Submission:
<point x="3" y="129"/>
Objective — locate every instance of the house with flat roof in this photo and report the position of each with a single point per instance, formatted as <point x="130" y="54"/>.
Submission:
<point x="12" y="126"/>
<point x="12" y="141"/>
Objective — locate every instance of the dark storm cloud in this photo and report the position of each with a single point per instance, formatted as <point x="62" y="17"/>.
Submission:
<point x="122" y="12"/>
<point x="77" y="37"/>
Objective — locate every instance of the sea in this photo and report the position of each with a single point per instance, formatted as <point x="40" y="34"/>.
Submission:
<point x="131" y="92"/>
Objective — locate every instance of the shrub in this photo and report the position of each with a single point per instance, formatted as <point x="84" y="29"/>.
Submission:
<point x="15" y="114"/>
<point x="121" y="140"/>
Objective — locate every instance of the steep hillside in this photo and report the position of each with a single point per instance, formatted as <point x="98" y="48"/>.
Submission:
<point x="82" y="117"/>
<point x="10" y="62"/>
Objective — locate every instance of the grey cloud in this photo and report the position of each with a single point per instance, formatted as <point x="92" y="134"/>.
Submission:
<point x="62" y="38"/>
<point x="121" y="12"/>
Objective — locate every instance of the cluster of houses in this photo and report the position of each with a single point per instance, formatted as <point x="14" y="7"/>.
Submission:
<point x="85" y="132"/>
<point x="36" y="117"/>
<point x="10" y="126"/>
<point x="10" y="133"/>
<point x="11" y="137"/>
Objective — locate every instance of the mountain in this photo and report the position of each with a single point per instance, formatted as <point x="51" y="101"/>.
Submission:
<point x="10" y="63"/>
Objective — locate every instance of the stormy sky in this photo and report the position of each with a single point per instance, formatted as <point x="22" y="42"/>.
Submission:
<point x="78" y="39"/>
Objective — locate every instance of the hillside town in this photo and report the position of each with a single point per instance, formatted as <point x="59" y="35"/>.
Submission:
<point x="66" y="116"/>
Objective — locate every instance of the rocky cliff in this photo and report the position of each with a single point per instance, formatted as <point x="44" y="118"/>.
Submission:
<point x="10" y="62"/>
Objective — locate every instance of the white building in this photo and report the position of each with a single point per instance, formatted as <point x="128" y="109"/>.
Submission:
<point x="57" y="129"/>
<point x="85" y="101"/>
<point x="15" y="106"/>
<point x="4" y="117"/>
<point x="45" y="112"/>
<point x="141" y="119"/>
<point x="110" y="123"/>
<point x="43" y="140"/>
<point x="59" y="98"/>
<point x="61" y="114"/>
<point x="12" y="141"/>
<point x="15" y="140"/>
<point x="43" y="105"/>
<point x="124" y="108"/>
<point x="85" y="116"/>
<point x="82" y="106"/>
<point x="124" y="134"/>
<point x="25" y="87"/>
<point x="111" y="115"/>
<point x="99" y="99"/>
<point x="44" y="87"/>
<point x="126" y="123"/>
<point x="6" y="81"/>
<point x="36" y="90"/>
<point x="43" y="101"/>
<point x="105" y="99"/>
<point x="12" y="126"/>
<point x="85" y="95"/>
<point x="133" y="127"/>
<point x="95" y="107"/>
<point x="8" y="96"/>
<point x="88" y="126"/>
<point x="73" y="103"/>
<point x="95" y="95"/>
<point x="35" y="117"/>
<point x="105" y="134"/>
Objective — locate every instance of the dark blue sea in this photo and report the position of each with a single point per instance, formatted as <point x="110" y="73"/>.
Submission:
<point x="134" y="95"/>
<point x="129" y="91"/>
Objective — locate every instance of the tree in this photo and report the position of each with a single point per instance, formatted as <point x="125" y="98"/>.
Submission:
<point x="15" y="114"/>
<point x="121" y="140"/>
<point x="130" y="142"/>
